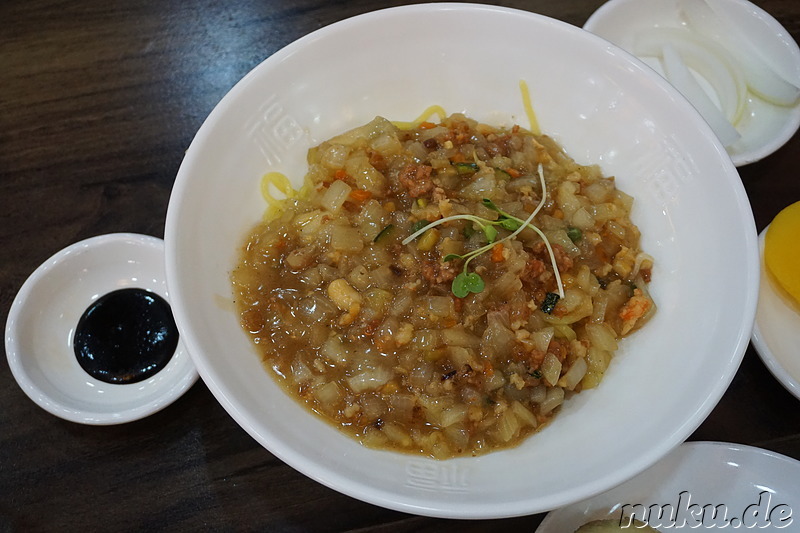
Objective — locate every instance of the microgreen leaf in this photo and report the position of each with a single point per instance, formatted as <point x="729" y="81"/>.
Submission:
<point x="509" y="223"/>
<point x="459" y="286"/>
<point x="475" y="282"/>
<point x="465" y="283"/>
<point x="490" y="232"/>
<point x="490" y="204"/>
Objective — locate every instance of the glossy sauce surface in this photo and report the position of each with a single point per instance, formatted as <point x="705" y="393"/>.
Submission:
<point x="126" y="336"/>
<point x="363" y="298"/>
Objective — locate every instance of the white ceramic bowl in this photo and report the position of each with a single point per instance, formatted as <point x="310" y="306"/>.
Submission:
<point x="42" y="320"/>
<point x="765" y="127"/>
<point x="605" y="107"/>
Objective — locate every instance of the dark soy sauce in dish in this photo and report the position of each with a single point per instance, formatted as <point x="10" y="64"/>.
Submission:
<point x="126" y="336"/>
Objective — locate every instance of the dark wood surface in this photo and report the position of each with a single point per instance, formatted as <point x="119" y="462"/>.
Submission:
<point x="98" y="101"/>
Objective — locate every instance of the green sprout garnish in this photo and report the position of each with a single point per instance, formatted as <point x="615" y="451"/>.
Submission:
<point x="465" y="283"/>
<point x="471" y="282"/>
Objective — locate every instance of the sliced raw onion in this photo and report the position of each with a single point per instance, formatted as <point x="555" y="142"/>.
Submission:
<point x="705" y="57"/>
<point x="682" y="79"/>
<point x="762" y="80"/>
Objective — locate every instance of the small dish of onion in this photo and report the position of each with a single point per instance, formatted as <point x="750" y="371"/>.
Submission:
<point x="736" y="64"/>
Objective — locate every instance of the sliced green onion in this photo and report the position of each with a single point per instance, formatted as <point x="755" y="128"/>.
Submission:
<point x="383" y="233"/>
<point x="550" y="302"/>
<point x="466" y="168"/>
<point x="574" y="234"/>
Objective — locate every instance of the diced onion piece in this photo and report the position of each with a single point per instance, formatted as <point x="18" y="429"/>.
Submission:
<point x="439" y="306"/>
<point x="334" y="156"/>
<point x="762" y="80"/>
<point x="374" y="438"/>
<point x="554" y="398"/>
<point x="679" y="76"/>
<point x="369" y="379"/>
<point x="328" y="394"/>
<point x="451" y="415"/>
<point x="346" y="239"/>
<point x="575" y="374"/>
<point x="524" y="415"/>
<point x="507" y="426"/>
<point x="300" y="371"/>
<point x="397" y="434"/>
<point x="601" y="336"/>
<point x="334" y="350"/>
<point x="538" y="393"/>
<point x="551" y="368"/>
<point x="420" y="375"/>
<point x="335" y="196"/>
<point x="541" y="339"/>
<point x="459" y="356"/>
<point x="458" y="336"/>
<point x="565" y="332"/>
<point x="494" y="382"/>
<point x="710" y="60"/>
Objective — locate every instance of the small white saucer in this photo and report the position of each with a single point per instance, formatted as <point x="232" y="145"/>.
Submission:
<point x="776" y="333"/>
<point x="42" y="320"/>
<point x="765" y="127"/>
<point x="746" y="487"/>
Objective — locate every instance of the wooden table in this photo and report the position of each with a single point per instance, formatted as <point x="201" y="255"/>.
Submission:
<point x="98" y="101"/>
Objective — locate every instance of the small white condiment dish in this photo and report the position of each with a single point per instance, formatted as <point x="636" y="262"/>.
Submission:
<point x="42" y="321"/>
<point x="776" y="334"/>
<point x="764" y="127"/>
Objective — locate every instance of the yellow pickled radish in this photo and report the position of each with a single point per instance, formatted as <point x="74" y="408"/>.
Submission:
<point x="782" y="250"/>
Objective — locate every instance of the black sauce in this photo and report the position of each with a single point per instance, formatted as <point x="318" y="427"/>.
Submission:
<point x="125" y="336"/>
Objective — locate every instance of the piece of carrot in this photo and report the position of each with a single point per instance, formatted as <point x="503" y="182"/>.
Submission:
<point x="497" y="253"/>
<point x="340" y="175"/>
<point x="426" y="125"/>
<point x="513" y="172"/>
<point x="360" y="195"/>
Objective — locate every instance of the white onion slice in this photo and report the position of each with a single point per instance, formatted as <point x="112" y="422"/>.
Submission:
<point x="762" y="80"/>
<point x="682" y="79"/>
<point x="705" y="57"/>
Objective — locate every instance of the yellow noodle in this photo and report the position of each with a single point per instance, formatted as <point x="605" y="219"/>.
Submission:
<point x="526" y="101"/>
<point x="279" y="182"/>
<point x="428" y="113"/>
